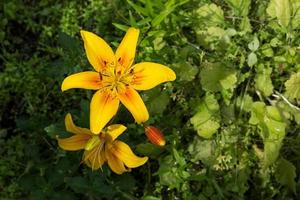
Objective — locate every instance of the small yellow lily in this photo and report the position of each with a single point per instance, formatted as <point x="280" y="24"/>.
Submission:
<point x="101" y="147"/>
<point x="116" y="79"/>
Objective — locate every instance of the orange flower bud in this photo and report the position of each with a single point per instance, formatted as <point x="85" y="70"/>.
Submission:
<point x="155" y="135"/>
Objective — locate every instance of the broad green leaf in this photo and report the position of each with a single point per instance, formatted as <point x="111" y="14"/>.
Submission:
<point x="206" y="120"/>
<point x="239" y="7"/>
<point x="252" y="59"/>
<point x="157" y="101"/>
<point x="210" y="15"/>
<point x="281" y="10"/>
<point x="286" y="174"/>
<point x="295" y="19"/>
<point x="202" y="150"/>
<point x="292" y="86"/>
<point x="185" y="71"/>
<point x="263" y="81"/>
<point x="272" y="130"/>
<point x="216" y="77"/>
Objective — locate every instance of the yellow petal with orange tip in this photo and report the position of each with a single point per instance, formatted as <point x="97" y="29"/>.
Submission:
<point x="84" y="80"/>
<point x="147" y="75"/>
<point x="72" y="128"/>
<point x="134" y="103"/>
<point x="103" y="107"/>
<point x="113" y="131"/>
<point x="115" y="164"/>
<point x="74" y="143"/>
<point x="126" y="51"/>
<point x="123" y="152"/>
<point x="155" y="136"/>
<point x="98" y="52"/>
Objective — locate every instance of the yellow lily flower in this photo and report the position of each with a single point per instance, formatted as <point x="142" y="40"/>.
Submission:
<point x="101" y="147"/>
<point x="116" y="79"/>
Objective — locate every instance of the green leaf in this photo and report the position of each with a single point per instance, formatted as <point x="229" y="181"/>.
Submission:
<point x="272" y="130"/>
<point x="216" y="77"/>
<point x="239" y="7"/>
<point x="286" y="174"/>
<point x="292" y="86"/>
<point x="78" y="184"/>
<point x="157" y="101"/>
<point x="185" y="71"/>
<point x="295" y="5"/>
<point x="138" y="8"/>
<point x="206" y="120"/>
<point x="210" y="15"/>
<point x="202" y="150"/>
<point x="56" y="130"/>
<point x="121" y="27"/>
<point x="263" y="81"/>
<point x="252" y="59"/>
<point x="245" y="25"/>
<point x="281" y="10"/>
<point x="148" y="149"/>
<point x="163" y="14"/>
<point x="253" y="46"/>
<point x="150" y="198"/>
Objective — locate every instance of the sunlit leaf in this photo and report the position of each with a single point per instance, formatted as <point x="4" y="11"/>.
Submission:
<point x="272" y="130"/>
<point x="263" y="81"/>
<point x="206" y="120"/>
<point x="292" y="86"/>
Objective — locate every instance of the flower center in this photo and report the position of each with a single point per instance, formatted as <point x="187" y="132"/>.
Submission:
<point x="116" y="78"/>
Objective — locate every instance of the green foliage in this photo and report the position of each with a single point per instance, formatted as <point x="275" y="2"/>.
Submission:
<point x="272" y="130"/>
<point x="206" y="119"/>
<point x="231" y="119"/>
<point x="293" y="86"/>
<point x="286" y="174"/>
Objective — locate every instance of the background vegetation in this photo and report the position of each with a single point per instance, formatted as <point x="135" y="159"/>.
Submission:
<point x="231" y="118"/>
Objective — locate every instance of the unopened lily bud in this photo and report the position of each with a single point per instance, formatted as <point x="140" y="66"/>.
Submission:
<point x="155" y="135"/>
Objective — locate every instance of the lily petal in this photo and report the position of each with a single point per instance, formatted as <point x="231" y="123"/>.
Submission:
<point x="126" y="50"/>
<point x="85" y="80"/>
<point x="98" y="52"/>
<point x="115" y="130"/>
<point x="94" y="158"/>
<point x="134" y="103"/>
<point x="74" y="143"/>
<point x="103" y="107"/>
<point x="122" y="151"/>
<point x="147" y="75"/>
<point x="115" y="164"/>
<point x="72" y="128"/>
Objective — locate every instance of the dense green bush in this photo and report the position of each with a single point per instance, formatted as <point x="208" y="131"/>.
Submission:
<point x="231" y="118"/>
